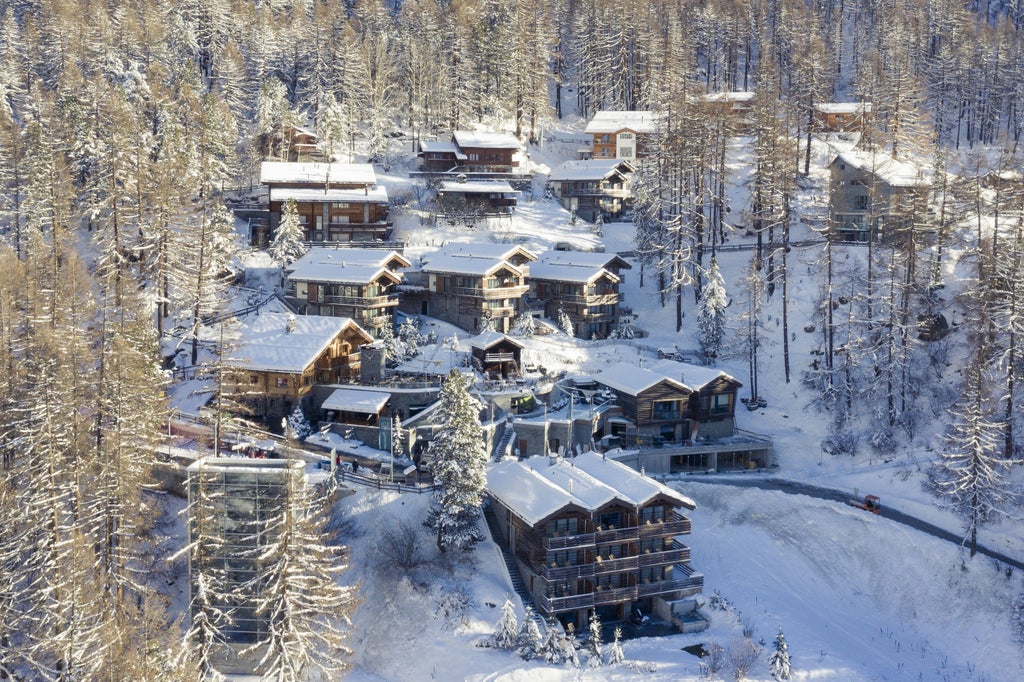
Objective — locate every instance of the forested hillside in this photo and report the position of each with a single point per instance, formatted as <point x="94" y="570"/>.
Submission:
<point x="123" y="125"/>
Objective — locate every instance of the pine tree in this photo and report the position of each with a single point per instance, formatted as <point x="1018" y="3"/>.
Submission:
<point x="409" y="334"/>
<point x="523" y="326"/>
<point x="287" y="245"/>
<point x="615" y="653"/>
<point x="506" y="632"/>
<point x="528" y="641"/>
<point x="459" y="464"/>
<point x="298" y="425"/>
<point x="594" y="644"/>
<point x="778" y="662"/>
<point x="551" y="649"/>
<point x="565" y="323"/>
<point x="711" y="312"/>
<point x="392" y="352"/>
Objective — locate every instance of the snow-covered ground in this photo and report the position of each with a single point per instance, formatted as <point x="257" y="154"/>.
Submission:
<point x="859" y="597"/>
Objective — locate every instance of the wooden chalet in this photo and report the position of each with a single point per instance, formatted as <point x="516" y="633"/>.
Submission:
<point x="278" y="357"/>
<point x="841" y="117"/>
<point x="592" y="188"/>
<point x="579" y="285"/>
<point x="470" y="152"/>
<point x="626" y="135"/>
<point x="475" y="287"/>
<point x="335" y="202"/>
<point x="468" y="199"/>
<point x="736" y="108"/>
<point x="589" y="534"/>
<point x="496" y="355"/>
<point x="356" y="406"/>
<point x="875" y="196"/>
<point x="345" y="282"/>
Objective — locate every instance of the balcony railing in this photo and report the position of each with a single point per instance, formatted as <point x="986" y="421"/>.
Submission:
<point x="511" y="291"/>
<point x="628" y="563"/>
<point x="362" y="301"/>
<point x="571" y="572"/>
<point x="568" y="603"/>
<point x="627" y="534"/>
<point x="608" y="298"/>
<point x="665" y="587"/>
<point x="678" y="554"/>
<point x="614" y="596"/>
<point x="566" y="541"/>
<point x="499" y="357"/>
<point x="679" y="525"/>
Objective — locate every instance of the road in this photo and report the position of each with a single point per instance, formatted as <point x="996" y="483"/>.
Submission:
<point x="797" y="488"/>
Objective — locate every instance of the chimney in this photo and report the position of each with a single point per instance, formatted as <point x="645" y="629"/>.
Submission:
<point x="290" y="327"/>
<point x="570" y="486"/>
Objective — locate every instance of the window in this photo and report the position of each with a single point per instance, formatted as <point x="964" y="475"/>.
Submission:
<point x="860" y="203"/>
<point x="666" y="409"/>
<point x="281" y="382"/>
<point x="606" y="138"/>
<point x="626" y="152"/>
<point x="654" y="513"/>
<point x="720" y="403"/>
<point x="566" y="526"/>
<point x="610" y="520"/>
<point x="474" y="157"/>
<point x="562" y="558"/>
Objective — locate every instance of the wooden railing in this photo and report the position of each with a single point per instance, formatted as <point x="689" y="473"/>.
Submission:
<point x="666" y="586"/>
<point x="614" y="596"/>
<point x="628" y="563"/>
<point x="566" y="541"/>
<point x="568" y="603"/>
<point x="627" y="534"/>
<point x="678" y="554"/>
<point x="571" y="572"/>
<point x="679" y="525"/>
<point x="361" y="301"/>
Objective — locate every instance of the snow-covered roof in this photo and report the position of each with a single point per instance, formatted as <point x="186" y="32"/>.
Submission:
<point x="843" y="107"/>
<point x="342" y="273"/>
<point x="535" y="489"/>
<point x="892" y="171"/>
<point x="345" y="265"/>
<point x="731" y="96"/>
<point x="442" y="147"/>
<point x="632" y="380"/>
<point x="594" y="259"/>
<point x="478" y="187"/>
<point x="266" y="344"/>
<point x="466" y="264"/>
<point x="692" y="376"/>
<point x="476" y="140"/>
<point x="356" y="400"/>
<point x="377" y="194"/>
<point x="485" y="340"/>
<point x="630" y="484"/>
<point x="316" y="172"/>
<point x="592" y="169"/>
<point x="569" y="272"/>
<point x="614" y="121"/>
<point x="486" y="250"/>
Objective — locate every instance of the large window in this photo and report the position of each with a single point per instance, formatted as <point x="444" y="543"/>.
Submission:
<point x="720" y="403"/>
<point x="666" y="409"/>
<point x="567" y="526"/>
<point x="653" y="513"/>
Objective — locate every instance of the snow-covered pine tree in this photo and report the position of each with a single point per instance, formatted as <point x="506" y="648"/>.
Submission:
<point x="615" y="653"/>
<point x="506" y="632"/>
<point x="711" y="312"/>
<point x="551" y="649"/>
<point x="778" y="662"/>
<point x="397" y="435"/>
<point x="565" y="323"/>
<point x="409" y="334"/>
<point x="287" y="246"/>
<point x="298" y="425"/>
<point x="523" y="326"/>
<point x="529" y="641"/>
<point x="594" y="644"/>
<point x="392" y="352"/>
<point x="459" y="464"/>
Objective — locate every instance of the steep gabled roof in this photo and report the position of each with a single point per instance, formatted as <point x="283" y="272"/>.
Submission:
<point x="316" y="173"/>
<point x="473" y="139"/>
<point x="569" y="272"/>
<point x="695" y="377"/>
<point x="279" y="342"/>
<point x="893" y="172"/>
<point x="585" y="258"/>
<point x="342" y="273"/>
<point x="591" y="169"/>
<point x="632" y="380"/>
<point x="631" y="484"/>
<point x="485" y="340"/>
<point x="643" y="122"/>
<point x="381" y="258"/>
<point x="466" y="264"/>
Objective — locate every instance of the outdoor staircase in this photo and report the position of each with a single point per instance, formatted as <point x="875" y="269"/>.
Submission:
<point x="503" y="445"/>
<point x="513" y="569"/>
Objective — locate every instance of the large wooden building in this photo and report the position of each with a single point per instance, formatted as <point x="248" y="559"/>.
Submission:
<point x="335" y="202"/>
<point x="624" y="135"/>
<point x="579" y="285"/>
<point x="841" y="117"/>
<point x="592" y="535"/>
<point x="469" y="152"/>
<point x="874" y="196"/>
<point x="346" y="282"/>
<point x="277" y="358"/>
<point x="593" y="188"/>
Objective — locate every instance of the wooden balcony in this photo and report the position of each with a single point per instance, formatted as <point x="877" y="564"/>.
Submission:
<point x="570" y="572"/>
<point x="666" y="587"/>
<point x="568" y="541"/>
<point x="607" y="535"/>
<point x="499" y="357"/>
<point x="609" y="298"/>
<point x="567" y="603"/>
<point x="678" y="554"/>
<point x="628" y="563"/>
<point x="679" y="525"/>
<point x="614" y="596"/>
<point x="515" y="291"/>
<point x="362" y="301"/>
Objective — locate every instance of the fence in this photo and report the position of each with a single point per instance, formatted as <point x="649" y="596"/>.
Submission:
<point x="381" y="484"/>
